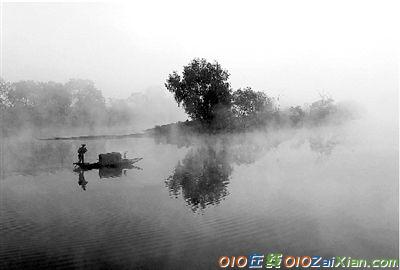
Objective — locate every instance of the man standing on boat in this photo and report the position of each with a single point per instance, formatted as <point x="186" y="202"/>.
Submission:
<point x="81" y="153"/>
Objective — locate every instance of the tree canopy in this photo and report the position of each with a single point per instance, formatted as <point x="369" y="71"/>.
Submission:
<point x="247" y="102"/>
<point x="38" y="105"/>
<point x="205" y="93"/>
<point x="203" y="89"/>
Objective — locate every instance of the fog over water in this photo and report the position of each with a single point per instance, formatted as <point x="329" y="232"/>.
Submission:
<point x="327" y="191"/>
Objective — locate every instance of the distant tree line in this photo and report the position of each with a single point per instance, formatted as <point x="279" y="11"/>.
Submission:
<point x="37" y="105"/>
<point x="203" y="90"/>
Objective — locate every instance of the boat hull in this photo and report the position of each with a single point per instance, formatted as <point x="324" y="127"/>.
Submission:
<point x="124" y="163"/>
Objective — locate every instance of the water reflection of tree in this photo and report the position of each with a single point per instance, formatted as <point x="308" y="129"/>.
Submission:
<point x="201" y="177"/>
<point x="247" y="152"/>
<point x="33" y="157"/>
<point x="323" y="146"/>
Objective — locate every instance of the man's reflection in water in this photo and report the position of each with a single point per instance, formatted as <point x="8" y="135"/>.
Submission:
<point x="82" y="182"/>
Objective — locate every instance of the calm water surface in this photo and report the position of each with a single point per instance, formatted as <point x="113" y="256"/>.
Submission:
<point x="329" y="191"/>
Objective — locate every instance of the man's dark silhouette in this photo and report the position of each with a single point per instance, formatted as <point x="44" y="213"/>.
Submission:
<point x="81" y="153"/>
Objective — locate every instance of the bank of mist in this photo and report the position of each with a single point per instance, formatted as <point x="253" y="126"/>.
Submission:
<point x="48" y="109"/>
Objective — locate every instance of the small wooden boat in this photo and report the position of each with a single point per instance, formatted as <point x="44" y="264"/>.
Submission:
<point x="123" y="163"/>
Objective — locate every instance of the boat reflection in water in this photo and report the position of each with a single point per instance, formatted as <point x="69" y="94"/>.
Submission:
<point x="112" y="172"/>
<point x="104" y="173"/>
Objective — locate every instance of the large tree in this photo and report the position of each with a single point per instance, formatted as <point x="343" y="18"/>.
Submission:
<point x="203" y="90"/>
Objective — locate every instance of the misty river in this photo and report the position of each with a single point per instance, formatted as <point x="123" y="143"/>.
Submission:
<point x="327" y="191"/>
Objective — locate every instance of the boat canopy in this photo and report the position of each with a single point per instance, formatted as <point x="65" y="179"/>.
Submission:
<point x="110" y="158"/>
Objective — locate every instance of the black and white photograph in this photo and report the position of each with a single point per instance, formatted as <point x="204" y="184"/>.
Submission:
<point x="196" y="135"/>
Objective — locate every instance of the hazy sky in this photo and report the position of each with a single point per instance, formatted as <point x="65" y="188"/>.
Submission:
<point x="294" y="49"/>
